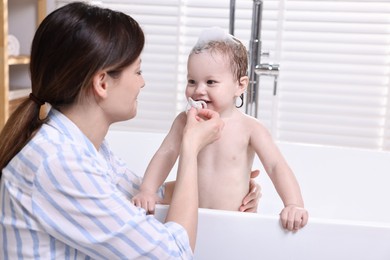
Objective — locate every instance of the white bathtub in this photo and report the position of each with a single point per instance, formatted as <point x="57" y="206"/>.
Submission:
<point x="346" y="192"/>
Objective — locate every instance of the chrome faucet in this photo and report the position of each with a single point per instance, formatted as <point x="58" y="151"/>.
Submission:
<point x="256" y="69"/>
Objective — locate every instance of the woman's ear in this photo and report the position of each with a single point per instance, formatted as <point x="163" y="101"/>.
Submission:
<point x="242" y="85"/>
<point x="100" y="84"/>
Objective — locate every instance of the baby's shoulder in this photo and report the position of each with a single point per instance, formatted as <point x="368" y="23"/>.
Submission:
<point x="181" y="118"/>
<point x="250" y="121"/>
<point x="179" y="122"/>
<point x="254" y="127"/>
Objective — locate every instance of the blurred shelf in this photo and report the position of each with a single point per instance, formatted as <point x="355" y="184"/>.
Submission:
<point x="18" y="60"/>
<point x="18" y="93"/>
<point x="11" y="96"/>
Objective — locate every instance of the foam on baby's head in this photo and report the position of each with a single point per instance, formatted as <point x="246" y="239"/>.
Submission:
<point x="216" y="41"/>
<point x="213" y="34"/>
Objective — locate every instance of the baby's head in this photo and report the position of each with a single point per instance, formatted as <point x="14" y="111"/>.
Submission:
<point x="215" y="41"/>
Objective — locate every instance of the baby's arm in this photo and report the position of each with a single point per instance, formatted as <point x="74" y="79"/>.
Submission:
<point x="293" y="216"/>
<point x="160" y="166"/>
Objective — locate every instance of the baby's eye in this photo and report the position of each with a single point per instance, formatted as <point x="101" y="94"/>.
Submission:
<point x="191" y="81"/>
<point x="210" y="82"/>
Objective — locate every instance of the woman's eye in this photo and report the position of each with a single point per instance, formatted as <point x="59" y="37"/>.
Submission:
<point x="139" y="72"/>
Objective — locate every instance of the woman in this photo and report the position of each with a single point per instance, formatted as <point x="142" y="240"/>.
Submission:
<point x="63" y="193"/>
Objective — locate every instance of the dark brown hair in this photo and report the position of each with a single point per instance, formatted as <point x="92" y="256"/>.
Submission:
<point x="70" y="46"/>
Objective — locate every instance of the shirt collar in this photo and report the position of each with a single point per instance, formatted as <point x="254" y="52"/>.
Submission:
<point x="70" y="130"/>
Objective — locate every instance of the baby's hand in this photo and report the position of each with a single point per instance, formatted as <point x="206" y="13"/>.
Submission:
<point x="146" y="200"/>
<point x="294" y="217"/>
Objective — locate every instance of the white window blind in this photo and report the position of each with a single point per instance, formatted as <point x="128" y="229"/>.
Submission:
<point x="333" y="85"/>
<point x="335" y="75"/>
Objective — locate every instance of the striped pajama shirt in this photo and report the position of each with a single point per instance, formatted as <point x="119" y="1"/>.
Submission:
<point x="60" y="198"/>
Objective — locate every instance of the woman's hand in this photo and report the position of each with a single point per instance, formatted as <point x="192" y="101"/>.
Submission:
<point x="293" y="217"/>
<point x="203" y="127"/>
<point x="251" y="200"/>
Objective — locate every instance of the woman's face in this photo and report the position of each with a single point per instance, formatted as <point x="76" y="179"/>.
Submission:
<point x="123" y="93"/>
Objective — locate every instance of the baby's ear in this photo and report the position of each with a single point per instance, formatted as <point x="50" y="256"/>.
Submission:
<point x="242" y="85"/>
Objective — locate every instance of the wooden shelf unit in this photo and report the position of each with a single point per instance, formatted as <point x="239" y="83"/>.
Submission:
<point x="8" y="100"/>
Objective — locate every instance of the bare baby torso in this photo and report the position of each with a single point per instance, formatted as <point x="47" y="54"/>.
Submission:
<point x="224" y="166"/>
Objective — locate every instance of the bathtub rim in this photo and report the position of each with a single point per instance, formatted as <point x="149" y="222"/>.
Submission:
<point x="162" y="209"/>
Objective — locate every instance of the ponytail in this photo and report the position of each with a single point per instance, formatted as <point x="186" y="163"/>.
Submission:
<point x="18" y="130"/>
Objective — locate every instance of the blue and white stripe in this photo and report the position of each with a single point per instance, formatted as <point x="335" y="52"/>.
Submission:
<point x="60" y="198"/>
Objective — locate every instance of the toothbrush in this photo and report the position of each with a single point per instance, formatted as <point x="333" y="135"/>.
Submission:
<point x="195" y="104"/>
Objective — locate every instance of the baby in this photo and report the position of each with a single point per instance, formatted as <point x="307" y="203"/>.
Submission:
<point x="216" y="79"/>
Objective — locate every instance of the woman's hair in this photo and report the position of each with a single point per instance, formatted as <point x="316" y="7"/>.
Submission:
<point x="70" y="46"/>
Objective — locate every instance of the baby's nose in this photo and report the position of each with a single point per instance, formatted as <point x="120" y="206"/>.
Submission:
<point x="200" y="88"/>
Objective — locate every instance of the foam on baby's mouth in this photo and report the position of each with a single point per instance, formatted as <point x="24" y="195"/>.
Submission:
<point x="195" y="104"/>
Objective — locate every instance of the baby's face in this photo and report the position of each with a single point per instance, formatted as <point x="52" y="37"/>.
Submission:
<point x="211" y="80"/>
